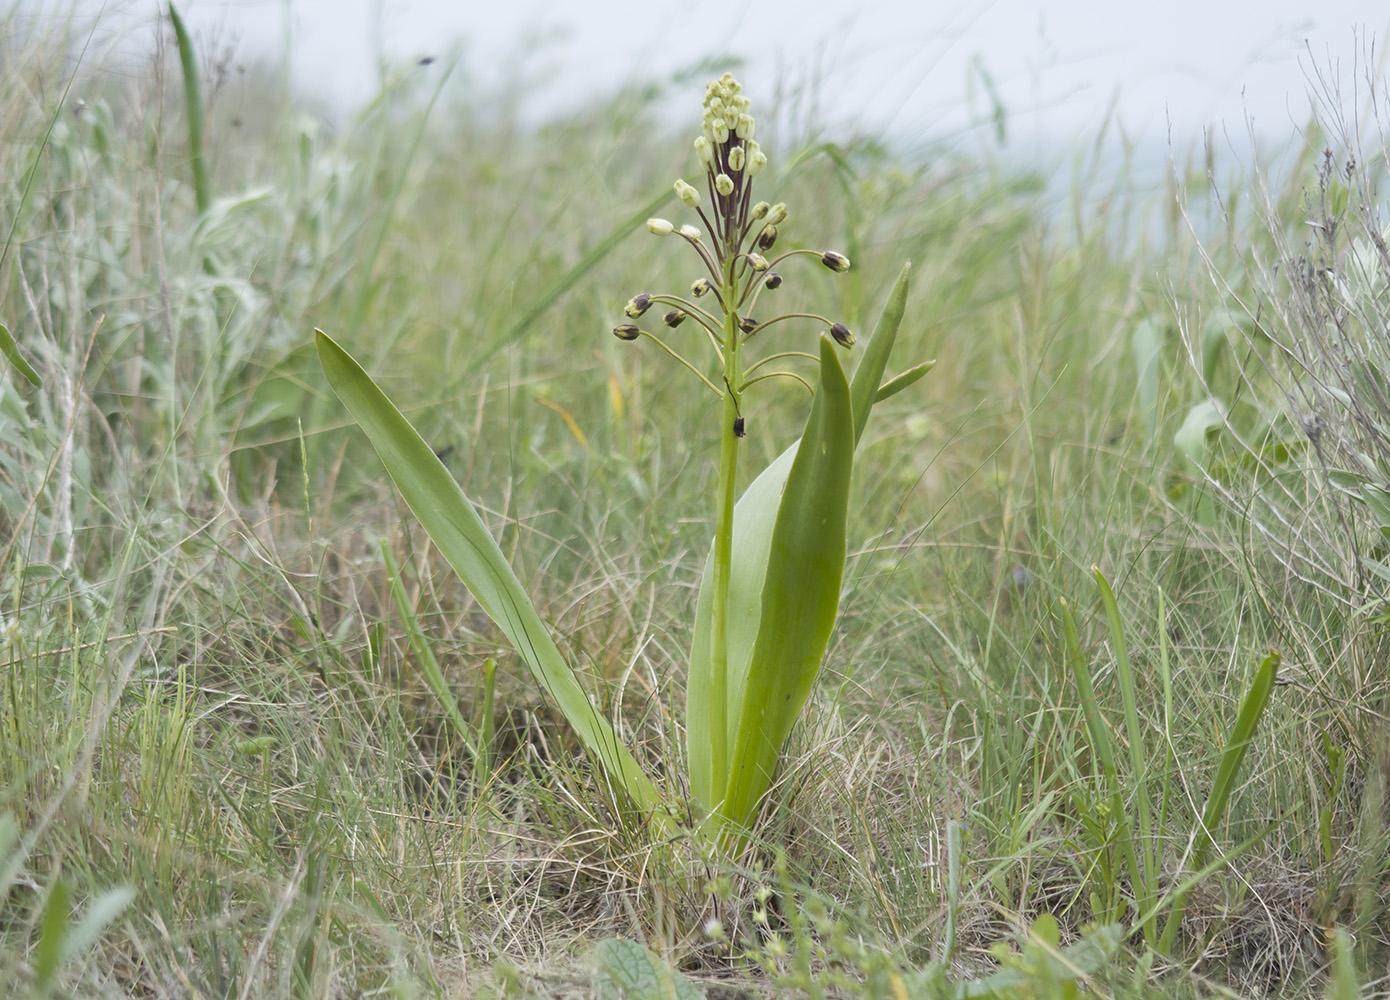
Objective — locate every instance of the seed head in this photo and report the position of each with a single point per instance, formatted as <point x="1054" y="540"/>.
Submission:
<point x="773" y="280"/>
<point x="660" y="227"/>
<point x="837" y="262"/>
<point x="637" y="305"/>
<point x="674" y="318"/>
<point x="699" y="287"/>
<point x="626" y="331"/>
<point x="842" y="335"/>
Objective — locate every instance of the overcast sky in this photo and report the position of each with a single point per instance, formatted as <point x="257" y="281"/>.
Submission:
<point x="912" y="68"/>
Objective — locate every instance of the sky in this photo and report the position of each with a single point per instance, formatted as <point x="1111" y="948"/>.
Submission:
<point x="912" y="70"/>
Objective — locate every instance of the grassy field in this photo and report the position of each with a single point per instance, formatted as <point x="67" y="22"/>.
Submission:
<point x="224" y="772"/>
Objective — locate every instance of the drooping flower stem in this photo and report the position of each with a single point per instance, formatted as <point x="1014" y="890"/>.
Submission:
<point x="724" y="531"/>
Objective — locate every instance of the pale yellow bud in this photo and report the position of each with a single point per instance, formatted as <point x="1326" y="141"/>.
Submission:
<point x="704" y="151"/>
<point x="744" y="127"/>
<point x="757" y="160"/>
<point x="736" y="158"/>
<point x="660" y="227"/>
<point x="687" y="193"/>
<point x="724" y="184"/>
<point x="691" y="233"/>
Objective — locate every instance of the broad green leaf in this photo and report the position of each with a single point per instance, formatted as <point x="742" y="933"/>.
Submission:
<point x="755" y="516"/>
<point x="11" y="351"/>
<point x="801" y="591"/>
<point x="455" y="527"/>
<point x="1191" y="438"/>
<point x="624" y="970"/>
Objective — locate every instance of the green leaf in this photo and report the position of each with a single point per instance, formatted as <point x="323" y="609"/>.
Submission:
<point x="11" y="350"/>
<point x="901" y="381"/>
<point x="801" y="591"/>
<point x="624" y="970"/>
<point x="1191" y="438"/>
<point x="455" y="527"/>
<point x="755" y="517"/>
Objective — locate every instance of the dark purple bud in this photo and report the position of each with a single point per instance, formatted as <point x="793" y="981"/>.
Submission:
<point x="837" y="262"/>
<point x="674" y="318"/>
<point x="842" y="335"/>
<point x="767" y="237"/>
<point x="739" y="430"/>
<point x="626" y="331"/>
<point x="637" y="305"/>
<point x="747" y="324"/>
<point x="699" y="287"/>
<point x="773" y="280"/>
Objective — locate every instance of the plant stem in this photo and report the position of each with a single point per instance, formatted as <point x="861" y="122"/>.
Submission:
<point x="723" y="542"/>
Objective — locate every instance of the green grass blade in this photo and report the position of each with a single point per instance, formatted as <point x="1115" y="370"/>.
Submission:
<point x="1145" y="875"/>
<point x="801" y="592"/>
<point x="429" y="664"/>
<point x="193" y="104"/>
<point x="1247" y="721"/>
<point x="1101" y="745"/>
<point x="455" y="527"/>
<point x="11" y="351"/>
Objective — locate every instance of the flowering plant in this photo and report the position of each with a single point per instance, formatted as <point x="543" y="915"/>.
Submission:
<point x="771" y="587"/>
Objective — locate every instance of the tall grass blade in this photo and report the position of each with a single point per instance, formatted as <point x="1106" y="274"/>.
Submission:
<point x="429" y="664"/>
<point x="455" y="527"/>
<point x="11" y="351"/>
<point x="1247" y="721"/>
<point x="1145" y="875"/>
<point x="193" y="108"/>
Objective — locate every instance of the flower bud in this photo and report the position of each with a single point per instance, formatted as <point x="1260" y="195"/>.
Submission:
<point x="740" y="428"/>
<point x="767" y="237"/>
<point x="837" y="262"/>
<point x="842" y="335"/>
<point x="758" y="261"/>
<point x="687" y="193"/>
<point x="674" y="318"/>
<point x="724" y="184"/>
<point x="773" y="280"/>
<point x="748" y="324"/>
<point x="699" y="287"/>
<point x="691" y="233"/>
<point x="760" y="210"/>
<point x="736" y="159"/>
<point x="721" y="131"/>
<point x="777" y="214"/>
<point x="744" y="128"/>
<point x="660" y="227"/>
<point x="756" y="161"/>
<point x="637" y="305"/>
<point x="704" y="152"/>
<point x="626" y="332"/>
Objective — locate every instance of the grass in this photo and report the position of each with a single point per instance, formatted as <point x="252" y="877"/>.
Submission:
<point x="224" y="767"/>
